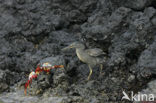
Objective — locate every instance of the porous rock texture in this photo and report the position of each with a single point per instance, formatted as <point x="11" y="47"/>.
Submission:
<point x="35" y="31"/>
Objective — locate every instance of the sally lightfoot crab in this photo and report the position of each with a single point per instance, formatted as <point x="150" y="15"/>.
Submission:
<point x="45" y="67"/>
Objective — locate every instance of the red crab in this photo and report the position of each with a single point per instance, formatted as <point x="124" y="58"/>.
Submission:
<point x="46" y="67"/>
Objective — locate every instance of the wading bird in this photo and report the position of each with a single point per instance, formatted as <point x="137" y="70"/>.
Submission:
<point x="92" y="57"/>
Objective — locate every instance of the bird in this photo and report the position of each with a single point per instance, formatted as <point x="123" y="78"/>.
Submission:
<point x="92" y="57"/>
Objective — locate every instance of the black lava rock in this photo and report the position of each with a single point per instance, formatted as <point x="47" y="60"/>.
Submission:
<point x="35" y="31"/>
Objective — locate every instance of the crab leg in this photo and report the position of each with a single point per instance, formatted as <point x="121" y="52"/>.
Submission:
<point x="57" y="66"/>
<point x="28" y="82"/>
<point x="26" y="85"/>
<point x="38" y="70"/>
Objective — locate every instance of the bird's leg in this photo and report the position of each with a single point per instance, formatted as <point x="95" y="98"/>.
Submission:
<point x="90" y="71"/>
<point x="101" y="67"/>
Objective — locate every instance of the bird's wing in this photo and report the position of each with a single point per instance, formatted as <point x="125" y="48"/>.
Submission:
<point x="95" y="52"/>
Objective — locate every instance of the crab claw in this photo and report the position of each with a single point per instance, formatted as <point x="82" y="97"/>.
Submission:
<point x="38" y="70"/>
<point x="37" y="73"/>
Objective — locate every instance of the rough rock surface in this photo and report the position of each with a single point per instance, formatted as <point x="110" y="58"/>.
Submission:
<point x="35" y="31"/>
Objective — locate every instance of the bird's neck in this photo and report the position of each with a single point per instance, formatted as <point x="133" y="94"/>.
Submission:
<point x="79" y="53"/>
<point x="79" y="49"/>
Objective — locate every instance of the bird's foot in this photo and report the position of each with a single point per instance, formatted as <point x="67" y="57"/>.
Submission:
<point x="87" y="80"/>
<point x="101" y="75"/>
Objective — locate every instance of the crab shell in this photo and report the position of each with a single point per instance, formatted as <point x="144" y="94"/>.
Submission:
<point x="46" y="65"/>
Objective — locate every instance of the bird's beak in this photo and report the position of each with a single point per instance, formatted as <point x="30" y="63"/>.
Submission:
<point x="68" y="47"/>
